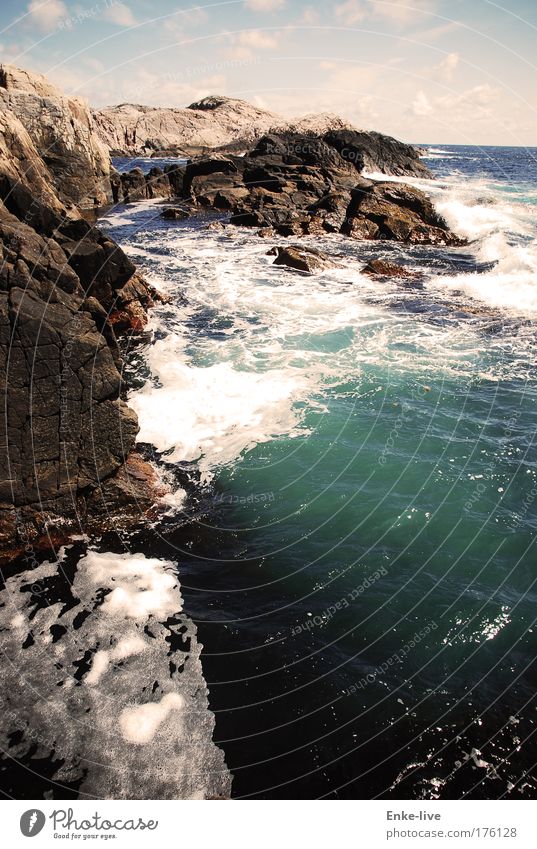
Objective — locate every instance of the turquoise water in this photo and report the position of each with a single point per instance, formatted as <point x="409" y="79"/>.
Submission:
<point x="356" y="534"/>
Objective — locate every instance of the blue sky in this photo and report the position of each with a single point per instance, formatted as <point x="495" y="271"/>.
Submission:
<point x="462" y="71"/>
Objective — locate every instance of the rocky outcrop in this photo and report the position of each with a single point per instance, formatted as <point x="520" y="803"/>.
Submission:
<point x="134" y="185"/>
<point x="395" y="212"/>
<point x="376" y="152"/>
<point x="63" y="287"/>
<point x="214" y="122"/>
<point x="62" y="131"/>
<point x="230" y="125"/>
<point x="295" y="185"/>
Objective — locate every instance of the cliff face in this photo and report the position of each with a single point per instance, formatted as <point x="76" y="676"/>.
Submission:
<point x="65" y="430"/>
<point x="62" y="131"/>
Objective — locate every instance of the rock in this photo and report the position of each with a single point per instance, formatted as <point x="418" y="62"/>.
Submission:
<point x="62" y="130"/>
<point x="158" y="184"/>
<point x="301" y="258"/>
<point x="133" y="186"/>
<point x="208" y="174"/>
<point x="376" y="152"/>
<point x="175" y="174"/>
<point x="225" y="124"/>
<point x="384" y="268"/>
<point x="174" y="213"/>
<point x="63" y="287"/>
<point x="298" y="185"/>
<point x="132" y="129"/>
<point x="397" y="212"/>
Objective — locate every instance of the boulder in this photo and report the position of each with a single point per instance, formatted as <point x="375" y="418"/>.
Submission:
<point x="385" y="268"/>
<point x="301" y="259"/>
<point x="133" y="186"/>
<point x="204" y="167"/>
<point x="174" y="213"/>
<point x="397" y="212"/>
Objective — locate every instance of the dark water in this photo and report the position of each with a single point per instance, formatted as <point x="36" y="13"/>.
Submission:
<point x="357" y="542"/>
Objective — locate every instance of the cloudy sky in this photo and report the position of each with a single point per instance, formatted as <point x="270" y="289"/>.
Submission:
<point x="452" y="71"/>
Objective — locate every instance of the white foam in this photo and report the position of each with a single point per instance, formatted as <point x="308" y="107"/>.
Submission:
<point x="140" y="585"/>
<point x="126" y="647"/>
<point x="140" y="723"/>
<point x="212" y="414"/>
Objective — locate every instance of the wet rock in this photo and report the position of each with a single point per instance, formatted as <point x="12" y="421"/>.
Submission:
<point x="133" y="186"/>
<point x="396" y="212"/>
<point x="64" y="286"/>
<point x="301" y="258"/>
<point x="384" y="268"/>
<point x="174" y="213"/>
<point x="376" y="152"/>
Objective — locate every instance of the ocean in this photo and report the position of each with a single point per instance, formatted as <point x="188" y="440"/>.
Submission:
<point x="354" y="478"/>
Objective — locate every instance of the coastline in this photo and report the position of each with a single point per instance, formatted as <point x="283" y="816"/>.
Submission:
<point x="242" y="357"/>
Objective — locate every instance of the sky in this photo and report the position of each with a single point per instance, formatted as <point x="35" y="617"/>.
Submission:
<point x="431" y="71"/>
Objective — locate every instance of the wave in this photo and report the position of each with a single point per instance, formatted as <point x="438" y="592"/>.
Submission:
<point x="500" y="222"/>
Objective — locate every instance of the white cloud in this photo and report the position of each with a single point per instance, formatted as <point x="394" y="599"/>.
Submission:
<point x="258" y="40"/>
<point x="351" y="12"/>
<point x="46" y="14"/>
<point x="120" y="14"/>
<point x="264" y="5"/>
<point x="448" y="66"/>
<point x="240" y="54"/>
<point x="310" y="17"/>
<point x="394" y="11"/>
<point x="421" y="105"/>
<point x="459" y="106"/>
<point x="480" y="96"/>
<point x="435" y="33"/>
<point x="401" y="11"/>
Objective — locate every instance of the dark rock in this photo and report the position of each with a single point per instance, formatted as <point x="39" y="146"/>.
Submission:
<point x="207" y="166"/>
<point x="174" y="213"/>
<point x="384" y="268"/>
<point x="377" y="152"/>
<point x="301" y="258"/>
<point x="157" y="184"/>
<point x="64" y="286"/>
<point x="176" y="175"/>
<point x="397" y="212"/>
<point x="133" y="185"/>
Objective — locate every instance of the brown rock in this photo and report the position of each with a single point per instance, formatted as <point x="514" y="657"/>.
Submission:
<point x="383" y="268"/>
<point x="301" y="258"/>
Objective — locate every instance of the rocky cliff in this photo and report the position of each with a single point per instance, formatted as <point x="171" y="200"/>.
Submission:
<point x="62" y="130"/>
<point x="226" y="123"/>
<point x="66" y="433"/>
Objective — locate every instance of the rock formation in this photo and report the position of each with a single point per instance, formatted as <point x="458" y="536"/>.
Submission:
<point x="64" y="285"/>
<point x="62" y="130"/>
<point x="295" y="185"/>
<point x="214" y="122"/>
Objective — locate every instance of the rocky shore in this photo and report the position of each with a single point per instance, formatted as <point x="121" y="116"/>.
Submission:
<point x="296" y="185"/>
<point x="69" y="460"/>
<point x="68" y="454"/>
